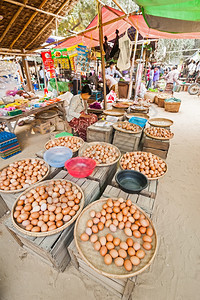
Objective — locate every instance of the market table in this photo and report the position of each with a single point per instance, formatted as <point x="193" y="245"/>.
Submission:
<point x="9" y="119"/>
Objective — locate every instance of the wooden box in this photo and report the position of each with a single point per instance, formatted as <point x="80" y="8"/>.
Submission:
<point x="126" y="142"/>
<point x="53" y="249"/>
<point x="42" y="127"/>
<point x="120" y="287"/>
<point x="99" y="134"/>
<point x="157" y="147"/>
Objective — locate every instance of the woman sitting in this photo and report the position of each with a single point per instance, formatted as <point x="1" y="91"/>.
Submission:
<point x="77" y="115"/>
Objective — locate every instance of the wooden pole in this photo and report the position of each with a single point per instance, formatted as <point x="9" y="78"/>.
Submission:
<point x="27" y="72"/>
<point x="132" y="66"/>
<point x="102" y="54"/>
<point x="119" y="6"/>
<point x="36" y="70"/>
<point x="139" y="74"/>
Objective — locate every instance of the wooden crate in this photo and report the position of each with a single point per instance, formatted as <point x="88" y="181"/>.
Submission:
<point x="126" y="142"/>
<point x="53" y="249"/>
<point x="3" y="207"/>
<point x="103" y="175"/>
<point x="99" y="134"/>
<point x="157" y="147"/>
<point x="120" y="287"/>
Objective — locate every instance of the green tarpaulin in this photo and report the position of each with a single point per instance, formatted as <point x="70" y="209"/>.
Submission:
<point x="171" y="15"/>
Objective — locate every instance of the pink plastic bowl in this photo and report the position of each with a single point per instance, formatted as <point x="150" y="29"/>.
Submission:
<point x="80" y="167"/>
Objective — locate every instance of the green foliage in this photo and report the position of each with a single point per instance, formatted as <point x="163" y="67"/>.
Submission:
<point x="164" y="47"/>
<point x="84" y="12"/>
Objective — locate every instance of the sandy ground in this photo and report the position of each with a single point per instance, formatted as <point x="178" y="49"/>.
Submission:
<point x="174" y="275"/>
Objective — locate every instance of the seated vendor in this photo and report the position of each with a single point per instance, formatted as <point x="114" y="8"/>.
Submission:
<point x="77" y="115"/>
<point x="112" y="84"/>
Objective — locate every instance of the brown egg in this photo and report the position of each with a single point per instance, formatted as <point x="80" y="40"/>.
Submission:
<point x="93" y="238"/>
<point x="108" y="216"/>
<point x="128" y="265"/>
<point x="29" y="227"/>
<point x="113" y="228"/>
<point x="103" y="240"/>
<point x="107" y="259"/>
<point x="147" y="246"/>
<point x="147" y="238"/>
<point x="108" y="223"/>
<point x="97" y="245"/>
<point x="92" y="214"/>
<point x="128" y="202"/>
<point x="129" y="242"/>
<point x="52" y="217"/>
<point x="89" y="223"/>
<point x="136" y="246"/>
<point x="136" y="234"/>
<point x="109" y="210"/>
<point x="110" y="202"/>
<point x="116" y="241"/>
<point x="100" y="226"/>
<point x="52" y="227"/>
<point x="142" y="230"/>
<point x="34" y="222"/>
<point x="20" y="202"/>
<point x="116" y="209"/>
<point x="95" y="220"/>
<point x="123" y="245"/>
<point x="103" y="250"/>
<point x="131" y="251"/>
<point x="144" y="222"/>
<point x="59" y="217"/>
<point x="19" y="207"/>
<point x="35" y="215"/>
<point x="58" y="210"/>
<point x="120" y="217"/>
<point x="125" y="211"/>
<point x="115" y="222"/>
<point x="44" y="228"/>
<point x="134" y="227"/>
<point x="50" y="223"/>
<point x="149" y="231"/>
<point x="59" y="223"/>
<point x="24" y="216"/>
<point x="121" y="225"/>
<point x="140" y="254"/>
<point x="46" y="218"/>
<point x="27" y="207"/>
<point x="16" y="214"/>
<point x="40" y="223"/>
<point x="95" y="229"/>
<point x="110" y="245"/>
<point x="109" y="237"/>
<point x="72" y="212"/>
<point x="84" y="237"/>
<point x="128" y="231"/>
<point x="122" y="253"/>
<point x="136" y="215"/>
<point x="35" y="229"/>
<point x="119" y="261"/>
<point x="114" y="253"/>
<point x="135" y="260"/>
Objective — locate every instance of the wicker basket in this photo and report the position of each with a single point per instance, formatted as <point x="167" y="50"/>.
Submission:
<point x="161" y="102"/>
<point x="172" y="106"/>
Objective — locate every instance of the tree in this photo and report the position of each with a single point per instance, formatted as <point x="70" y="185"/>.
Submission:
<point x="164" y="47"/>
<point x="84" y="12"/>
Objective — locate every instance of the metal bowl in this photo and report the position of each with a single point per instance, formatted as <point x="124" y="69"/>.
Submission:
<point x="131" y="181"/>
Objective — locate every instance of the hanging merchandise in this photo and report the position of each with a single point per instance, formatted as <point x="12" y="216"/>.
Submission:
<point x="82" y="60"/>
<point x="115" y="49"/>
<point x="106" y="48"/>
<point x="125" y="47"/>
<point x="48" y="63"/>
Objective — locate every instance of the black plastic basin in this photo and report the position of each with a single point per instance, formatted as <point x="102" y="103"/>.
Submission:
<point x="131" y="181"/>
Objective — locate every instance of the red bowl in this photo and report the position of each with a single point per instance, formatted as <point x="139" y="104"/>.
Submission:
<point x="80" y="167"/>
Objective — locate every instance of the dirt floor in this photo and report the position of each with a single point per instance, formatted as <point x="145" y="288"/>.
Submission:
<point x="174" y="274"/>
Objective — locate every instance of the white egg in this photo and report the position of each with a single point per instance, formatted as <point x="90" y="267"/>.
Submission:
<point x="36" y="208"/>
<point x="43" y="206"/>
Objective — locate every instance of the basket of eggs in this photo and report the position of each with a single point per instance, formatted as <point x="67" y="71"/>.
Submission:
<point x="116" y="238"/>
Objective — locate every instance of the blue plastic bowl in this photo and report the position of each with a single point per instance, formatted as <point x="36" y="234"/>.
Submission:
<point x="57" y="156"/>
<point x="138" y="121"/>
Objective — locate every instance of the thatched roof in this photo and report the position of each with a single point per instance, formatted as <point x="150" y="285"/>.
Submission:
<point x="40" y="27"/>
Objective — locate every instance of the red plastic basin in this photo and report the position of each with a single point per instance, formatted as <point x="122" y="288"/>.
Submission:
<point x="80" y="167"/>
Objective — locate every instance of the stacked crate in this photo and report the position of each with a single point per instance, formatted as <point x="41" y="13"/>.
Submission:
<point x="9" y="145"/>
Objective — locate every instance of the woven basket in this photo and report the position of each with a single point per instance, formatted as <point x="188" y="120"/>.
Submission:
<point x="172" y="106"/>
<point x="161" y="102"/>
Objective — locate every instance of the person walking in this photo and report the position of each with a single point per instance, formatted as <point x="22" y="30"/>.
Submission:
<point x="151" y="76"/>
<point x="171" y="78"/>
<point x="156" y="77"/>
